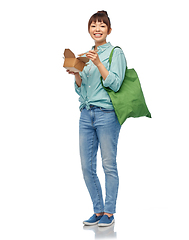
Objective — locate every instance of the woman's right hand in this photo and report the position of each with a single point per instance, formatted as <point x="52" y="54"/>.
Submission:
<point x="70" y="72"/>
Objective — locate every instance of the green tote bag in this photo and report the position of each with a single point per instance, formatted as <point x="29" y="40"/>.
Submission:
<point x="129" y="100"/>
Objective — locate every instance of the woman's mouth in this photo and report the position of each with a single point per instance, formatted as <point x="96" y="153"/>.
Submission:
<point x="97" y="35"/>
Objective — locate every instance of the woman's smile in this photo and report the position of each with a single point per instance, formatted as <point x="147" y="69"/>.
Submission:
<point x="98" y="35"/>
<point x="99" y="32"/>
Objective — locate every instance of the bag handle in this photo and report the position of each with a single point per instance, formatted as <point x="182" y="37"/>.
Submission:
<point x="110" y="61"/>
<point x="111" y="55"/>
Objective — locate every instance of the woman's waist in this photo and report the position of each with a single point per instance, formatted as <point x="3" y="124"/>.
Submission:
<point x="96" y="104"/>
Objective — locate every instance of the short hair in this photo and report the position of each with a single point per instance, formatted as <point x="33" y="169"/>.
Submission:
<point x="100" y="16"/>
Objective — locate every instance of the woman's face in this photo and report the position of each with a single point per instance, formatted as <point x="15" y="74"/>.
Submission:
<point x="99" y="32"/>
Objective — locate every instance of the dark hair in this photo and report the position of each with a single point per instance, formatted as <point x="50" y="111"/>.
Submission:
<point x="100" y="16"/>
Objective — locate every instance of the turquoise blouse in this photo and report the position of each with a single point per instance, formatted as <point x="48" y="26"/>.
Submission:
<point x="91" y="91"/>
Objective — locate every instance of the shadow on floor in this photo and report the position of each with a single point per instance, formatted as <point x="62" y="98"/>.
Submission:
<point x="102" y="232"/>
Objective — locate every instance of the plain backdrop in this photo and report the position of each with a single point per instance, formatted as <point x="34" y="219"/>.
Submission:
<point x="42" y="192"/>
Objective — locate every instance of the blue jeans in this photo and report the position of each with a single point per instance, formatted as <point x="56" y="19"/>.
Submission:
<point x="100" y="127"/>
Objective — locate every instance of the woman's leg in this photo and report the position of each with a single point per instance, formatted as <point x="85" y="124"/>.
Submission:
<point x="108" y="129"/>
<point x="88" y="142"/>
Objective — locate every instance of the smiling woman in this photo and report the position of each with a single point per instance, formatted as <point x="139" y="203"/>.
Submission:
<point x="100" y="16"/>
<point x="98" y="124"/>
<point x="99" y="27"/>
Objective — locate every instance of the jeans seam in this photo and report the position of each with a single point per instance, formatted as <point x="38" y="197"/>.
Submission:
<point x="93" y="174"/>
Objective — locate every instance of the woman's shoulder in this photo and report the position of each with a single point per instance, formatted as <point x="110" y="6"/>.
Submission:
<point x="117" y="51"/>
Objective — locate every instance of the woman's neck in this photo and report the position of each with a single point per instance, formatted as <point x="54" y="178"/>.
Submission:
<point x="99" y="44"/>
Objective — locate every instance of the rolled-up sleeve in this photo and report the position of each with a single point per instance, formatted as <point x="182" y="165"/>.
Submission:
<point x="116" y="71"/>
<point x="78" y="89"/>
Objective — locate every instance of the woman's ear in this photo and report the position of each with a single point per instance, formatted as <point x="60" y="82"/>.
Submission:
<point x="110" y="31"/>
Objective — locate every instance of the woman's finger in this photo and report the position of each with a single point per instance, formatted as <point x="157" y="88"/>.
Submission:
<point x="91" y="55"/>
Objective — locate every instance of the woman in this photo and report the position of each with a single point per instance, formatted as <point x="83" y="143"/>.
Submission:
<point x="98" y="122"/>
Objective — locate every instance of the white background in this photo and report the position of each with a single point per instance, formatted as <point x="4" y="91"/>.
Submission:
<point x="42" y="192"/>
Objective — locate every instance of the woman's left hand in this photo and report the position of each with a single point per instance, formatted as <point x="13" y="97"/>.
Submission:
<point x="93" y="56"/>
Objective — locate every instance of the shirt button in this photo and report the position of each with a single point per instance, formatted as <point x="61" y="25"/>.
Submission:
<point x="89" y="86"/>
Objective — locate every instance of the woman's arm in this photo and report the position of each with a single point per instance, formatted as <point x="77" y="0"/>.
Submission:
<point x="93" y="56"/>
<point x="103" y="71"/>
<point x="78" y="79"/>
<point x="116" y="71"/>
<point x="114" y="77"/>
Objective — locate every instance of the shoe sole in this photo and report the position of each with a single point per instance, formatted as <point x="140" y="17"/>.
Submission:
<point x="106" y="224"/>
<point x="90" y="224"/>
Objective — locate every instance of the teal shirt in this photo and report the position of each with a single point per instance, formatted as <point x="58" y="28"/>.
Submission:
<point x="91" y="91"/>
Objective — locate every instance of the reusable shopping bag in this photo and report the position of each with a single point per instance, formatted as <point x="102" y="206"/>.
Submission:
<point x="129" y="100"/>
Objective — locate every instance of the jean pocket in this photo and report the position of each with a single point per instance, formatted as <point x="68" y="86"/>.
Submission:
<point x="81" y="110"/>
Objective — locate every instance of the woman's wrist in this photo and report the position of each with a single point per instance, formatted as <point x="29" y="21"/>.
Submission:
<point x="78" y="79"/>
<point x="99" y="65"/>
<point x="103" y="71"/>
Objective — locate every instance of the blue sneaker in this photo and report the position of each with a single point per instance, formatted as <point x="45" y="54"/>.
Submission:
<point x="106" y="221"/>
<point x="93" y="220"/>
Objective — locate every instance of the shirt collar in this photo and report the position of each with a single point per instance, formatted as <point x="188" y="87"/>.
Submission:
<point x="103" y="47"/>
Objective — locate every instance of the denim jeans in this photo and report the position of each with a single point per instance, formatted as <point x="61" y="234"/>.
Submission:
<point x="100" y="127"/>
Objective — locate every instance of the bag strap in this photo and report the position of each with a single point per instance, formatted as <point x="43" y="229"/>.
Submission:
<point x="111" y="55"/>
<point x="110" y="61"/>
